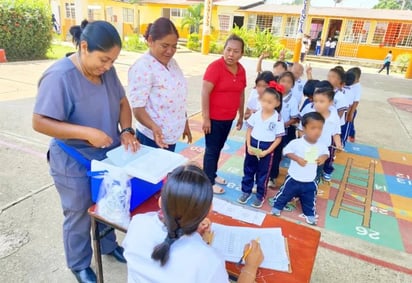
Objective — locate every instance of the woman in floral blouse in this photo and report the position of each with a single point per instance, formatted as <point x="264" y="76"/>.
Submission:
<point x="158" y="90"/>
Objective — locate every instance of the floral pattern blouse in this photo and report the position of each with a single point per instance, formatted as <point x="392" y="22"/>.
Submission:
<point x="162" y="92"/>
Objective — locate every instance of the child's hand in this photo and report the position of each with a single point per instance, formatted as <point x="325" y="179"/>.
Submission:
<point x="264" y="55"/>
<point x="321" y="159"/>
<point x="263" y="153"/>
<point x="302" y="162"/>
<point x="339" y="148"/>
<point x="250" y="150"/>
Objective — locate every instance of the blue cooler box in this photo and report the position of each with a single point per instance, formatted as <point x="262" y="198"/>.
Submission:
<point x="147" y="168"/>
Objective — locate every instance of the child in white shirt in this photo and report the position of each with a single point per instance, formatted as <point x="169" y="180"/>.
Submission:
<point x="265" y="129"/>
<point x="168" y="246"/>
<point x="261" y="83"/>
<point x="306" y="154"/>
<point x="356" y="88"/>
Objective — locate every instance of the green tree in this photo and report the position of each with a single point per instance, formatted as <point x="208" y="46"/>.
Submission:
<point x="193" y="18"/>
<point x="394" y="4"/>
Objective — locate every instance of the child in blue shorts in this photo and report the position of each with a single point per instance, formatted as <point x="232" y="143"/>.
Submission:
<point x="306" y="154"/>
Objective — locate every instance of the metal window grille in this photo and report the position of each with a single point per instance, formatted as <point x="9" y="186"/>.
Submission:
<point x="380" y="31"/>
<point x="128" y="15"/>
<point x="264" y="22"/>
<point x="177" y="12"/>
<point x="277" y="25"/>
<point x="70" y="10"/>
<point x="291" y="28"/>
<point x="405" y="36"/>
<point x="251" y="22"/>
<point x="224" y="22"/>
<point x="356" y="31"/>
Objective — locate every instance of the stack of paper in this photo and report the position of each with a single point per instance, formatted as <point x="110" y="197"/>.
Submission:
<point x="237" y="212"/>
<point x="230" y="242"/>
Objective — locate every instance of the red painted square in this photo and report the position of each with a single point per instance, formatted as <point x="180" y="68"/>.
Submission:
<point x="405" y="228"/>
<point x="396" y="169"/>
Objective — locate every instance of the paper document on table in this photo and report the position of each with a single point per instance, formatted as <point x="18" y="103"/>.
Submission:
<point x="230" y="242"/>
<point x="237" y="212"/>
<point x="311" y="154"/>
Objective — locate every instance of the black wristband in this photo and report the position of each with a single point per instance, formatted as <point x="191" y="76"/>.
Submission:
<point x="129" y="130"/>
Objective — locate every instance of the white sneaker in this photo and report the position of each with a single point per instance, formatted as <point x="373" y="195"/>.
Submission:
<point x="272" y="183"/>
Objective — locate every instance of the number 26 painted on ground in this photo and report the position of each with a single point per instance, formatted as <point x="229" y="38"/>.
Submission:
<point x="362" y="231"/>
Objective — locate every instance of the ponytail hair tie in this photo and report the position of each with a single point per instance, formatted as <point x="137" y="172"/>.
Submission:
<point x="278" y="87"/>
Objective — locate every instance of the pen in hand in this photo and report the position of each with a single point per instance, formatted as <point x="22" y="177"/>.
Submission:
<point x="246" y="253"/>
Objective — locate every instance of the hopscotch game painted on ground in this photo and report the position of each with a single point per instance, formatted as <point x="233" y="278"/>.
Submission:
<point x="369" y="197"/>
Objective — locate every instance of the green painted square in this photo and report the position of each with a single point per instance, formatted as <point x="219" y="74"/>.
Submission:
<point x="338" y="172"/>
<point x="380" y="183"/>
<point x="384" y="229"/>
<point x="234" y="165"/>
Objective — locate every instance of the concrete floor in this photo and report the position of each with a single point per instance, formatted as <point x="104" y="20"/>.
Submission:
<point x="31" y="247"/>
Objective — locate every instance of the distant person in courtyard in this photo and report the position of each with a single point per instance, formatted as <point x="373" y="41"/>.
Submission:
<point x="327" y="48"/>
<point x="318" y="47"/>
<point x="304" y="48"/>
<point x="332" y="49"/>
<point x="386" y="62"/>
<point x="55" y="24"/>
<point x="82" y="105"/>
<point x="158" y="90"/>
<point x="223" y="96"/>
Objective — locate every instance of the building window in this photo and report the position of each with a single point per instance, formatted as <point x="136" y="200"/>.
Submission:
<point x="224" y="22"/>
<point x="277" y="25"/>
<point x="178" y="13"/>
<point x="128" y="15"/>
<point x="291" y="28"/>
<point x="264" y="22"/>
<point x="379" y="35"/>
<point x="356" y="31"/>
<point x="405" y="36"/>
<point x="251" y="22"/>
<point x="70" y="10"/>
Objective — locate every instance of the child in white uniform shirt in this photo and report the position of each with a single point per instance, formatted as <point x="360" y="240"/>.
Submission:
<point x="306" y="154"/>
<point x="264" y="134"/>
<point x="322" y="103"/>
<point x="350" y="97"/>
<point x="261" y="83"/>
<point x="336" y="77"/>
<point x="357" y="92"/>
<point x="169" y="248"/>
<point x="289" y="114"/>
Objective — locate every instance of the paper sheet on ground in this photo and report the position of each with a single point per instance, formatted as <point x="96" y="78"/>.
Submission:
<point x="237" y="212"/>
<point x="230" y="242"/>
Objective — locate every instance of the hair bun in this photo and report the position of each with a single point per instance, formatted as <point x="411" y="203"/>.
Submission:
<point x="83" y="24"/>
<point x="147" y="32"/>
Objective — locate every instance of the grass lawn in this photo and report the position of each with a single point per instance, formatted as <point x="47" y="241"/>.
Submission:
<point x="58" y="51"/>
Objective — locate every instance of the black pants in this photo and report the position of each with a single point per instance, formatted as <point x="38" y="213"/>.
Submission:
<point x="215" y="141"/>
<point x="387" y="66"/>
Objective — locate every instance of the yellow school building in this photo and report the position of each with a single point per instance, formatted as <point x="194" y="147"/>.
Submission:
<point x="360" y="33"/>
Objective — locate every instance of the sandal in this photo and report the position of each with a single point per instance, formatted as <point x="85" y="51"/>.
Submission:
<point x="220" y="181"/>
<point x="218" y="190"/>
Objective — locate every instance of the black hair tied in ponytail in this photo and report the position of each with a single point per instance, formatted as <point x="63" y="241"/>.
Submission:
<point x="186" y="201"/>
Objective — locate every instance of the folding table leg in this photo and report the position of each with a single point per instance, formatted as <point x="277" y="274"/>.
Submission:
<point x="97" y="252"/>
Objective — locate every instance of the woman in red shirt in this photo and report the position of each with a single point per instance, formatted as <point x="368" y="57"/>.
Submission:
<point x="223" y="95"/>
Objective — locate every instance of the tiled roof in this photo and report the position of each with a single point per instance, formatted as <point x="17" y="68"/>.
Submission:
<point x="378" y="14"/>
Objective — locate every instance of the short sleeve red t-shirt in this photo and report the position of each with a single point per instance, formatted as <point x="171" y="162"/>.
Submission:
<point x="227" y="90"/>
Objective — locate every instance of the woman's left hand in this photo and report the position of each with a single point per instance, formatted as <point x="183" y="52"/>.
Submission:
<point x="239" y="124"/>
<point x="187" y="133"/>
<point x="129" y="141"/>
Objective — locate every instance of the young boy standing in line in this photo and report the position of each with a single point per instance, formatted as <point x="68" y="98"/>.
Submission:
<point x="306" y="154"/>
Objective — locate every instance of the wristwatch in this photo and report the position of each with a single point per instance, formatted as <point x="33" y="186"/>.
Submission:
<point x="129" y="130"/>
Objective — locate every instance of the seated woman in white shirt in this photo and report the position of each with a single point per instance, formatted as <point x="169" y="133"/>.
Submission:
<point x="168" y="246"/>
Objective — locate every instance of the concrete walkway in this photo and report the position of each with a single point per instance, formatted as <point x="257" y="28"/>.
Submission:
<point x="31" y="247"/>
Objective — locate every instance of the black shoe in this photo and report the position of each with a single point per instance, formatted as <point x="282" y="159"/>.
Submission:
<point x="85" y="276"/>
<point x="117" y="253"/>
